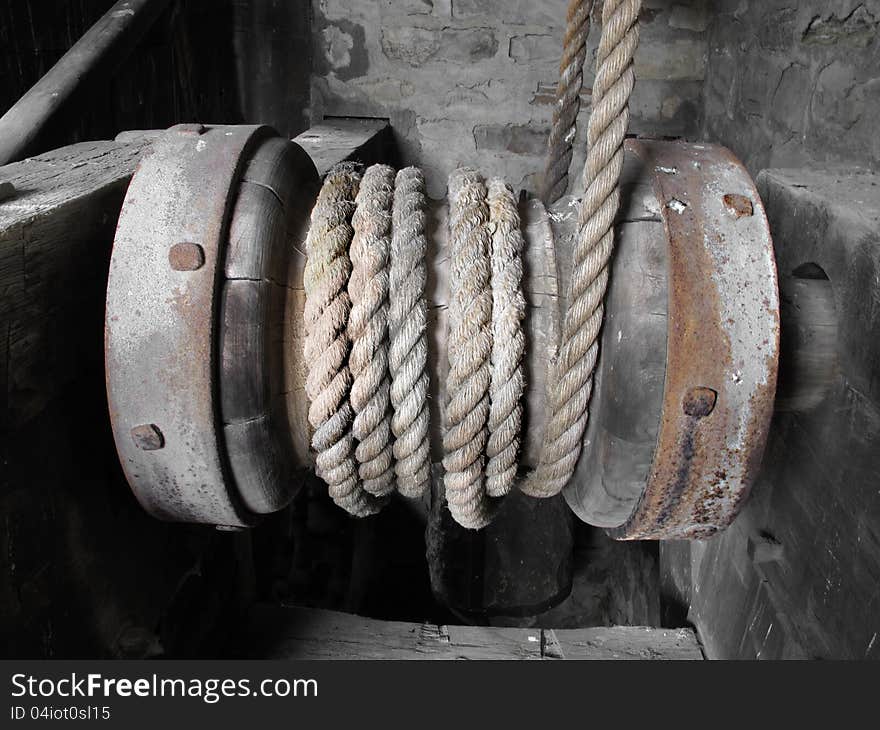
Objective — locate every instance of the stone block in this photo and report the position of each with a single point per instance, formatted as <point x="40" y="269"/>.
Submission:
<point x="415" y="46"/>
<point x="787" y="104"/>
<point x="839" y="98"/>
<point x="689" y="17"/>
<point x="858" y="29"/>
<point x="515" y="138"/>
<point x="776" y="30"/>
<point x="533" y="47"/>
<point x="682" y="59"/>
<point x="549" y="13"/>
<point x="340" y="49"/>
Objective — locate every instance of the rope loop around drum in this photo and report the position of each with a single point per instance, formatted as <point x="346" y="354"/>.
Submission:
<point x="366" y="343"/>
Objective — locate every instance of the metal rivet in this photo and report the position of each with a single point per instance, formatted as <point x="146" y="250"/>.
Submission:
<point x="7" y="190"/>
<point x="186" y="256"/>
<point x="147" y="437"/>
<point x="189" y="130"/>
<point x="699" y="402"/>
<point x="677" y="205"/>
<point x="738" y="205"/>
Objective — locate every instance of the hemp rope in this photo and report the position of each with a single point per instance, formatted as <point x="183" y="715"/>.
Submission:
<point x="386" y="321"/>
<point x="508" y="340"/>
<point x="469" y="347"/>
<point x="571" y="383"/>
<point x="568" y="101"/>
<point x="368" y="330"/>
<point x="407" y="321"/>
<point x="326" y="344"/>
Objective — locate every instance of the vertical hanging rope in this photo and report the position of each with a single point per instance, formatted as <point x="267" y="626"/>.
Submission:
<point x="469" y="347"/>
<point x="571" y="381"/>
<point x="408" y="347"/>
<point x="508" y="340"/>
<point x="327" y="345"/>
<point x="368" y="330"/>
<point x="568" y="101"/>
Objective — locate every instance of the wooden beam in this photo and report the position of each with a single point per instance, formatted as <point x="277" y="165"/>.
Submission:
<point x="103" y="47"/>
<point x="56" y="232"/>
<point x="339" y="139"/>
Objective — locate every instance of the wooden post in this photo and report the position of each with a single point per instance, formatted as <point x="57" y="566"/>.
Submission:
<point x="103" y="47"/>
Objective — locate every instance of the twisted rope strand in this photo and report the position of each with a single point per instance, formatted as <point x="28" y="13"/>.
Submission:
<point x="571" y="382"/>
<point x="326" y="346"/>
<point x="407" y="321"/>
<point x="508" y="340"/>
<point x="368" y="330"/>
<point x="469" y="347"/>
<point x="568" y="101"/>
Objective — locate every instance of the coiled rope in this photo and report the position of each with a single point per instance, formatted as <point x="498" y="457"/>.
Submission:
<point x="568" y="101"/>
<point x="407" y="321"/>
<point x="571" y="382"/>
<point x="368" y="330"/>
<point x="508" y="340"/>
<point x="326" y="346"/>
<point x="469" y="348"/>
<point x="365" y="317"/>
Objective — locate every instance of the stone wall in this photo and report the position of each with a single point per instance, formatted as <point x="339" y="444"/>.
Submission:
<point x="472" y="81"/>
<point x="791" y="82"/>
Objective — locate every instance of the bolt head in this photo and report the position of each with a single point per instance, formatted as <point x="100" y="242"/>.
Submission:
<point x="186" y="256"/>
<point x="699" y="402"/>
<point x="147" y="437"/>
<point x="7" y="190"/>
<point x="189" y="130"/>
<point x="738" y="205"/>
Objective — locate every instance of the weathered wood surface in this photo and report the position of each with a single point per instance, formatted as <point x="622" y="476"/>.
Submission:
<point x="56" y="232"/>
<point x="267" y="228"/>
<point x="809" y="359"/>
<point x="339" y="139"/>
<point x="797" y="574"/>
<point x="175" y="75"/>
<point x="93" y="57"/>
<point x="308" y="633"/>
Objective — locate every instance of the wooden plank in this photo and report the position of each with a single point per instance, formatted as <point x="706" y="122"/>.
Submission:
<point x="311" y="633"/>
<point x="628" y="642"/>
<point x="56" y="233"/>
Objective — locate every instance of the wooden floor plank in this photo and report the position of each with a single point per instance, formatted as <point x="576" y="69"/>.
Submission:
<point x="308" y="633"/>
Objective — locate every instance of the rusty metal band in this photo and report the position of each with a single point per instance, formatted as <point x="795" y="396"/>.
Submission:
<point x="722" y="343"/>
<point x="160" y="335"/>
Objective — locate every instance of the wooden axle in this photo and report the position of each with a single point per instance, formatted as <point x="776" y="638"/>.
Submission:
<point x="256" y="411"/>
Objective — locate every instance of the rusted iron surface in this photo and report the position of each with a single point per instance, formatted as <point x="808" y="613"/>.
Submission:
<point x="722" y="338"/>
<point x="687" y="368"/>
<point x="160" y="336"/>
